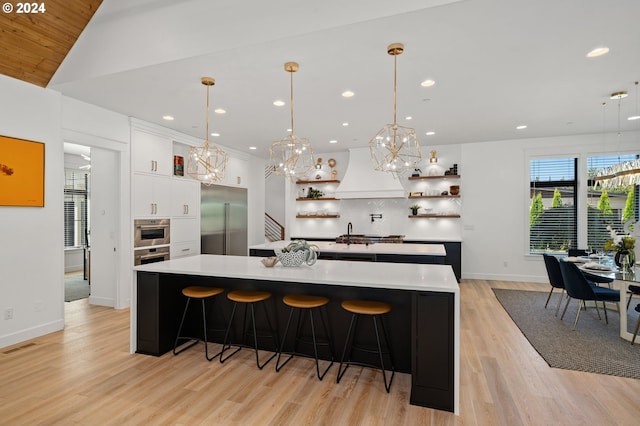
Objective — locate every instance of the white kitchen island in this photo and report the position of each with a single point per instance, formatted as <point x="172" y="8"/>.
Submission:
<point x="424" y="323"/>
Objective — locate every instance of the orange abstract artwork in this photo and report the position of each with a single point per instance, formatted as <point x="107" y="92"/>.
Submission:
<point x="21" y="172"/>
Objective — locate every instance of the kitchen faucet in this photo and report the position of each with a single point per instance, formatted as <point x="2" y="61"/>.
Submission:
<point x="349" y="229"/>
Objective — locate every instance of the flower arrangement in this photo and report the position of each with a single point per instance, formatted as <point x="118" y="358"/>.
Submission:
<point x="297" y="253"/>
<point x="618" y="242"/>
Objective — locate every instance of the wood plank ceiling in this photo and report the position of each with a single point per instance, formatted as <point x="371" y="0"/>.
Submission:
<point x="33" y="45"/>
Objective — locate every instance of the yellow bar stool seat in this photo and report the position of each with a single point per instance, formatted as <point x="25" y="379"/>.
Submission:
<point x="376" y="310"/>
<point x="200" y="293"/>
<point x="306" y="304"/>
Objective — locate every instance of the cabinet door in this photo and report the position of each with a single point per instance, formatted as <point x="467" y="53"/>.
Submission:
<point x="151" y="153"/>
<point x="185" y="198"/>
<point x="151" y="196"/>
<point x="185" y="229"/>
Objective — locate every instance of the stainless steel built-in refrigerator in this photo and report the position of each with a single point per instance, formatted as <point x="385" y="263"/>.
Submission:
<point x="223" y="220"/>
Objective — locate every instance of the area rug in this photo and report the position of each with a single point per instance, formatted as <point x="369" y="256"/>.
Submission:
<point x="594" y="346"/>
<point x="75" y="288"/>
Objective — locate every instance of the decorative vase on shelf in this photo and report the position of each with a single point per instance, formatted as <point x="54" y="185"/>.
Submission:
<point x="620" y="256"/>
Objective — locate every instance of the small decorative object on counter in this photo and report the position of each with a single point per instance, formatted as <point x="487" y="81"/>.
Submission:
<point x="334" y="174"/>
<point x="297" y="253"/>
<point x="414" y="209"/>
<point x="269" y="262"/>
<point x="416" y="172"/>
<point x="454" y="189"/>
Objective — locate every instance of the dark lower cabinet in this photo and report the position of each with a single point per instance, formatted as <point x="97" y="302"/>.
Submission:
<point x="421" y="324"/>
<point x="433" y="350"/>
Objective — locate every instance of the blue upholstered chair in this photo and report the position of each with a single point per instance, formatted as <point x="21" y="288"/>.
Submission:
<point x="577" y="287"/>
<point x="555" y="278"/>
<point x="633" y="289"/>
<point x="635" y="332"/>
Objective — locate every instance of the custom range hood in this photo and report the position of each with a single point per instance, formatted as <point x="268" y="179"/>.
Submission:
<point x="362" y="181"/>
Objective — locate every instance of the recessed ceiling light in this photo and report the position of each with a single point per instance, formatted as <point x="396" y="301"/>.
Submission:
<point x="598" y="51"/>
<point x="427" y="83"/>
<point x="252" y="147"/>
<point x="347" y="94"/>
<point x="430" y="133"/>
<point x="333" y="141"/>
<point x="219" y="111"/>
<point x="215" y="134"/>
<point x="523" y="126"/>
<point x="168" y="117"/>
<point x="408" y="117"/>
<point x="345" y="124"/>
<point x="634" y="117"/>
<point x="278" y="103"/>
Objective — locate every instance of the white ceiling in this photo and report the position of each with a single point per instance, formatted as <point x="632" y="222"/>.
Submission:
<point x="497" y="64"/>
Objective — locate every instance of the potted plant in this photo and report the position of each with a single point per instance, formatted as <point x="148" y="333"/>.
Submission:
<point x="414" y="209"/>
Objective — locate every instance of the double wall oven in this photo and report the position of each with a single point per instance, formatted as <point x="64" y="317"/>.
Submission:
<point x="151" y="240"/>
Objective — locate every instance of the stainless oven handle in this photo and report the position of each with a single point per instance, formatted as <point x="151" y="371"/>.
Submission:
<point x="151" y="226"/>
<point x="151" y="256"/>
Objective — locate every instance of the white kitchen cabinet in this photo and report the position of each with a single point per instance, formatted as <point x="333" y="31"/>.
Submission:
<point x="151" y="153"/>
<point x="151" y="196"/>
<point x="185" y="197"/>
<point x="185" y="237"/>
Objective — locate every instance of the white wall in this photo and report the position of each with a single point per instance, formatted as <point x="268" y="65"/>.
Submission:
<point x="395" y="211"/>
<point x="31" y="253"/>
<point x="495" y="211"/>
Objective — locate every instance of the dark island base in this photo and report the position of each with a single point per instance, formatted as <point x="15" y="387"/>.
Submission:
<point x="421" y="324"/>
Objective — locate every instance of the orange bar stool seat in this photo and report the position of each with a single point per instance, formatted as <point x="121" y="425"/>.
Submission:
<point x="202" y="294"/>
<point x="249" y="299"/>
<point x="376" y="310"/>
<point x="306" y="304"/>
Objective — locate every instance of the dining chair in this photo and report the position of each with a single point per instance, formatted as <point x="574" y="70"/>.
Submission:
<point x="635" y="332"/>
<point x="576" y="252"/>
<point x="633" y="289"/>
<point x="555" y="278"/>
<point x="577" y="287"/>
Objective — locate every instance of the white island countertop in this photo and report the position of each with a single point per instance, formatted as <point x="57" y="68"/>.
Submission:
<point x="376" y="248"/>
<point x="395" y="276"/>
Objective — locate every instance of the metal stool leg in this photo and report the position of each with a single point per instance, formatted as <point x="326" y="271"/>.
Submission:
<point x="347" y="345"/>
<point x="393" y="370"/>
<point x="226" y="346"/>
<point x="179" y="337"/>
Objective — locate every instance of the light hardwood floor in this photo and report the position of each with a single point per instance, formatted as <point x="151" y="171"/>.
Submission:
<point x="85" y="375"/>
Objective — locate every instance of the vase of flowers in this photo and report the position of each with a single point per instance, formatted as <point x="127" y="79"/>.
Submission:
<point x="623" y="245"/>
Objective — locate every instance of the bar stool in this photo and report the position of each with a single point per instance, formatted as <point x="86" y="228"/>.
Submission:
<point x="249" y="298"/>
<point x="306" y="304"/>
<point x="373" y="309"/>
<point x="201" y="293"/>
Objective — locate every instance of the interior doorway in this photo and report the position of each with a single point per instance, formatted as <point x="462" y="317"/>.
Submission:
<point x="99" y="244"/>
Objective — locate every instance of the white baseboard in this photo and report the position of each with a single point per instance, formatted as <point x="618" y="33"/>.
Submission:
<point x="102" y="301"/>
<point x="31" y="333"/>
<point x="505" y="277"/>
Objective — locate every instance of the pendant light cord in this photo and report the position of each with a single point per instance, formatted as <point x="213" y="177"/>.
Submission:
<point x="291" y="102"/>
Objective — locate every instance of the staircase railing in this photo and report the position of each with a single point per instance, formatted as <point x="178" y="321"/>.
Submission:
<point x="273" y="230"/>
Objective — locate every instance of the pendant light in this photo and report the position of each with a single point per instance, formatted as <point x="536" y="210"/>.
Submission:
<point x="395" y="148"/>
<point x="625" y="173"/>
<point x="291" y="156"/>
<point x="207" y="163"/>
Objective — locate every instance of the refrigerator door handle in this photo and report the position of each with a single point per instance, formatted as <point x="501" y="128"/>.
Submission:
<point x="227" y="231"/>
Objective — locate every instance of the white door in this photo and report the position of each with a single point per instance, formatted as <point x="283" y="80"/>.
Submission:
<point x="104" y="226"/>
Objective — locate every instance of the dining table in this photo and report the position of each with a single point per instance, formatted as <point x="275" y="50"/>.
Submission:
<point x="604" y="266"/>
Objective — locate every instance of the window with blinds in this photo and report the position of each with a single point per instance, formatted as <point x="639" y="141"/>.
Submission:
<point x="552" y="212"/>
<point x="76" y="207"/>
<point x="611" y="207"/>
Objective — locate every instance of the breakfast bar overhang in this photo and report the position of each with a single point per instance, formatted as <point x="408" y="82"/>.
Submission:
<point x="424" y="322"/>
